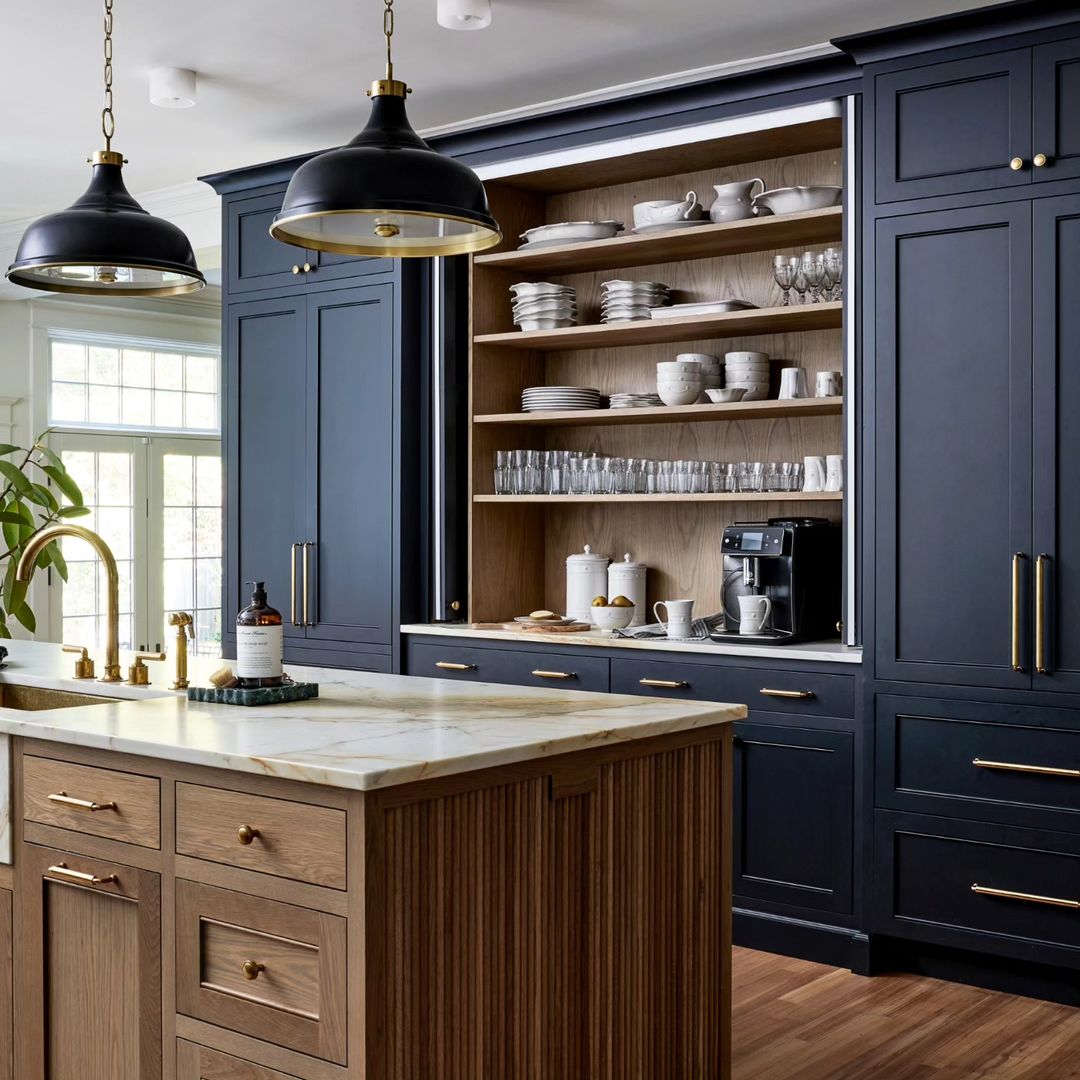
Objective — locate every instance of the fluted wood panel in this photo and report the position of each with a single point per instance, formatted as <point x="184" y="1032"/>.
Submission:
<point x="533" y="937"/>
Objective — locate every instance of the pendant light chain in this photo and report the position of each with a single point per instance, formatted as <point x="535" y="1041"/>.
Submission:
<point x="108" y="121"/>
<point x="388" y="30"/>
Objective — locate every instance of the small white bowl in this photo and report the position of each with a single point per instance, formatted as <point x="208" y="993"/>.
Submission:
<point x="611" y="618"/>
<point x="746" y="357"/>
<point x="725" y="397"/>
<point x="678" y="397"/>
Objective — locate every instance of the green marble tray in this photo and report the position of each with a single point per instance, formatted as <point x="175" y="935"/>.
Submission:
<point x="262" y="695"/>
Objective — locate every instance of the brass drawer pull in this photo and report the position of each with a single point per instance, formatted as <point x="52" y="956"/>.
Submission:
<point x="61" y="870"/>
<point x="65" y="799"/>
<point x="794" y="695"/>
<point x="665" y="684"/>
<point x="245" y="834"/>
<point x="449" y="665"/>
<point x="1010" y="766"/>
<point x="1031" y="898"/>
<point x="252" y="969"/>
<point x="540" y="674"/>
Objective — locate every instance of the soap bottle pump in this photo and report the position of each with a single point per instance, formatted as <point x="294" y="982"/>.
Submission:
<point x="259" y="642"/>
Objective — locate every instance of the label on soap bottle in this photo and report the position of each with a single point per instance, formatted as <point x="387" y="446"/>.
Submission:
<point x="259" y="651"/>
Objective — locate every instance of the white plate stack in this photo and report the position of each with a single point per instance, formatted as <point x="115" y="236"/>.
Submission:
<point x="630" y="301"/>
<point x="748" y="371"/>
<point x="540" y="305"/>
<point x="634" y="401"/>
<point x="557" y="398"/>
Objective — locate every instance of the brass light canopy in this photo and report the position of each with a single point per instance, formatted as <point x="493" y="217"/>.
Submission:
<point x="105" y="243"/>
<point x="386" y="192"/>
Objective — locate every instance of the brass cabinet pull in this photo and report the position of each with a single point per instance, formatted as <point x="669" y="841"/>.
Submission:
<point x="1040" y="613"/>
<point x="540" y="674"/>
<point x="665" y="684"/>
<point x="252" y="968"/>
<point x="65" y="799"/>
<point x="245" y="834"/>
<point x="1011" y="766"/>
<point x="61" y="870"/>
<point x="800" y="695"/>
<point x="449" y="665"/>
<point x="1039" y="160"/>
<point x="1017" y="660"/>
<point x="1031" y="898"/>
<point x="292" y="585"/>
<point x="1016" y="164"/>
<point x="308" y="545"/>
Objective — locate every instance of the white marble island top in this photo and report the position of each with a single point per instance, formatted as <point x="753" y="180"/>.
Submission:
<point x="364" y="731"/>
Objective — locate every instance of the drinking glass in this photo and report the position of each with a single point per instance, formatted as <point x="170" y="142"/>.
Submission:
<point x="813" y="269"/>
<point x="784" y="276"/>
<point x="502" y="472"/>
<point x="799" y="281"/>
<point x="772" y="477"/>
<point x="751" y="475"/>
<point x="834" y="264"/>
<point x="579" y="476"/>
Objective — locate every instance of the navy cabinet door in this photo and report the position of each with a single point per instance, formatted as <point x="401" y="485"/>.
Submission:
<point x="1057" y="439"/>
<point x="1056" y="81"/>
<point x="793" y="796"/>
<point x="353" y="371"/>
<point x="954" y="502"/>
<point x="953" y="127"/>
<point x="255" y="259"/>
<point x="265" y="453"/>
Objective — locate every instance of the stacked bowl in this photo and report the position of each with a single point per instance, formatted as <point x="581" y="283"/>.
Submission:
<point x="748" y="371"/>
<point x="540" y="305"/>
<point x="557" y="398"/>
<point x="679" y="382"/>
<point x="630" y="301"/>
<point x="712" y="368"/>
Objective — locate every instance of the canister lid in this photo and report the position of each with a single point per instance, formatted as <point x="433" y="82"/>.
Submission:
<point x="587" y="558"/>
<point x="628" y="565"/>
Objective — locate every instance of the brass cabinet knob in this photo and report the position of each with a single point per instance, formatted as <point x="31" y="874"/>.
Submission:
<point x="245" y="834"/>
<point x="296" y="268"/>
<point x="308" y="268"/>
<point x="251" y="969"/>
<point x="1016" y="164"/>
<point x="1039" y="160"/>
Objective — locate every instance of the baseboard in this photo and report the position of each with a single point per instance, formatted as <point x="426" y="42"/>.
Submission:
<point x="836" y="945"/>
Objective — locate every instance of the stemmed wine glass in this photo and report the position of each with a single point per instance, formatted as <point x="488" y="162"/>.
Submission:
<point x="800" y="283"/>
<point x="813" y="269"/>
<point x="784" y="275"/>
<point x="834" y="269"/>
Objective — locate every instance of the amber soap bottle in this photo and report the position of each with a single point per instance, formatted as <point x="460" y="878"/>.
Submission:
<point x="259" y="642"/>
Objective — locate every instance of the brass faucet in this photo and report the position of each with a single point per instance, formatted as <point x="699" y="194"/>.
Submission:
<point x="112" y="639"/>
<point x="181" y="620"/>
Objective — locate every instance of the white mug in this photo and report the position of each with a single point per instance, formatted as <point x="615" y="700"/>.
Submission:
<point x="793" y="383"/>
<point x="680" y="623"/>
<point x="834" y="472"/>
<point x="754" y="612"/>
<point x="828" y="384"/>
<point x="813" y="473"/>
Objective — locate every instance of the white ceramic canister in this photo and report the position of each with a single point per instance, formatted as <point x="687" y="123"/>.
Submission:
<point x="627" y="578"/>
<point x="586" y="579"/>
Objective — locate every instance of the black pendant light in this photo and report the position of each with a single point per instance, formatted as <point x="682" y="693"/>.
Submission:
<point x="386" y="192"/>
<point x="105" y="242"/>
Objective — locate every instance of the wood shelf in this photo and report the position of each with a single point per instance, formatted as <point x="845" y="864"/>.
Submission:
<point x="667" y="414"/>
<point x="702" y="242"/>
<point x="775" y="320"/>
<point x="720" y="497"/>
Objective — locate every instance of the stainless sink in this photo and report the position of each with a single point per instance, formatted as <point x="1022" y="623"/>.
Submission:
<point x="36" y="698"/>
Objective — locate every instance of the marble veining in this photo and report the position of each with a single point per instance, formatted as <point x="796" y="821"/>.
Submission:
<point x="364" y="731"/>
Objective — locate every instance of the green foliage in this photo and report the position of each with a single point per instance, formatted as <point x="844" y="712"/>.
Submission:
<point x="36" y="491"/>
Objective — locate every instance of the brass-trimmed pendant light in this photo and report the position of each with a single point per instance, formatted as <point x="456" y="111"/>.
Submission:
<point x="105" y="243"/>
<point x="386" y="192"/>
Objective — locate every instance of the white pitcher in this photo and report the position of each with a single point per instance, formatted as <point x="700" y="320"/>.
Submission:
<point x="733" y="201"/>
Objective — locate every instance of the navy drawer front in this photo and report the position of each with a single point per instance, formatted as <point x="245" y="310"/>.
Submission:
<point x="1001" y="763"/>
<point x="763" y="690"/>
<point x="565" y="671"/>
<point x="979" y="886"/>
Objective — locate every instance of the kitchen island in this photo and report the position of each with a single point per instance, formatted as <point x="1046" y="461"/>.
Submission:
<point x="403" y="878"/>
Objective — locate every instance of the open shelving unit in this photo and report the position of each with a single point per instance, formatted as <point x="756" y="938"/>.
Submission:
<point x="518" y="544"/>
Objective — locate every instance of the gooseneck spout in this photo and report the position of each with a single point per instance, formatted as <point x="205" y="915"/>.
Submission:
<point x="26" y="567"/>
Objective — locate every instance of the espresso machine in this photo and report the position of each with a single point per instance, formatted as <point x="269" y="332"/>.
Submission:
<point x="798" y="564"/>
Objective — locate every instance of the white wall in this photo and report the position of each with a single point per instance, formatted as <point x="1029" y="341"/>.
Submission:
<point x="15" y="378"/>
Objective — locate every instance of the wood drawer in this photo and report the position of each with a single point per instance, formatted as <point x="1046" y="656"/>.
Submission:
<point x="291" y="839"/>
<point x="927" y="868"/>
<point x="98" y="802"/>
<point x="988" y="762"/>
<point x="194" y="1062"/>
<point x="452" y="661"/>
<point x="761" y="689"/>
<point x="296" y="998"/>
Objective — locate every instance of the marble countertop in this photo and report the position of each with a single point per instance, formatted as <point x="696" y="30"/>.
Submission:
<point x="364" y="731"/>
<point x="831" y="652"/>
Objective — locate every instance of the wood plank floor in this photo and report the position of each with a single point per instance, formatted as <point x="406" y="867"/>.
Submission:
<point x="794" y="1020"/>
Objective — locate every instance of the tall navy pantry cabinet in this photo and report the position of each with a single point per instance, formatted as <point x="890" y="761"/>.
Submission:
<point x="322" y="437"/>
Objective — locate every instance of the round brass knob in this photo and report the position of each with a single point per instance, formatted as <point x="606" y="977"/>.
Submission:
<point x="1016" y="164"/>
<point x="296" y="268"/>
<point x="308" y="268"/>
<point x="1039" y="160"/>
<point x="245" y="834"/>
<point x="252" y="968"/>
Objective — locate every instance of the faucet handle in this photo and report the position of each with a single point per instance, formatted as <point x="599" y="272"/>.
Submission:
<point x="139" y="673"/>
<point x="180" y="619"/>
<point x="84" y="666"/>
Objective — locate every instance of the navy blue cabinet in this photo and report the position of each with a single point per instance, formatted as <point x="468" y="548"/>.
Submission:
<point x="1057" y="110"/>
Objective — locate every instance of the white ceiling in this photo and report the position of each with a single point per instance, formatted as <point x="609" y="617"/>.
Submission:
<point x="278" y="77"/>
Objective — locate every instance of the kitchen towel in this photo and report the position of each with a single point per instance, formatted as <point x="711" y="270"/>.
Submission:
<point x="700" y="629"/>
